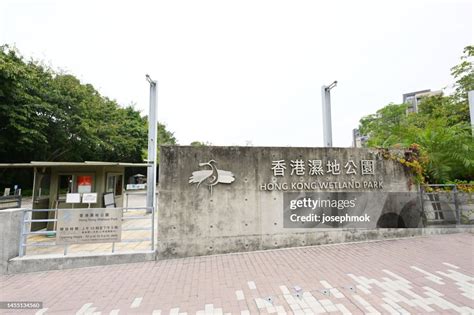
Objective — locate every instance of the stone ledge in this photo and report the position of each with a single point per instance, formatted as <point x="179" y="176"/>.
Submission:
<point x="38" y="263"/>
<point x="174" y="248"/>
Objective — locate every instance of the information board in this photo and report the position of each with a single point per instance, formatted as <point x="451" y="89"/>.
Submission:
<point x="79" y="226"/>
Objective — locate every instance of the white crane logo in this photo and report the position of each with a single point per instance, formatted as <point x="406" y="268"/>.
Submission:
<point x="212" y="176"/>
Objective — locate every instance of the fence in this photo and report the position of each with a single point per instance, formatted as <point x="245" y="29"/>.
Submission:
<point x="127" y="194"/>
<point x="8" y="202"/>
<point x="448" y="204"/>
<point x="46" y="239"/>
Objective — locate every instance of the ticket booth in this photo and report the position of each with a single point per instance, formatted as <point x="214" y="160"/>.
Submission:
<point x="54" y="180"/>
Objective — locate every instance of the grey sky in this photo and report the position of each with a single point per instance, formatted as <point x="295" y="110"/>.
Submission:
<point x="233" y="71"/>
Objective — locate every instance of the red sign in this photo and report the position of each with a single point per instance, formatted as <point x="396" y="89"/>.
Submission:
<point x="84" y="184"/>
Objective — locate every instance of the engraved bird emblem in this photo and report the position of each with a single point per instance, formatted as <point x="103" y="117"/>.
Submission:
<point x="211" y="176"/>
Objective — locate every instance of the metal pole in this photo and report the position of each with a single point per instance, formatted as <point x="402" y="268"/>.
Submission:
<point x="33" y="194"/>
<point x="152" y="146"/>
<point x="456" y="205"/>
<point x="153" y="230"/>
<point x="126" y="204"/>
<point x="22" y="248"/>
<point x="327" y="122"/>
<point x="470" y="96"/>
<point x="421" y="192"/>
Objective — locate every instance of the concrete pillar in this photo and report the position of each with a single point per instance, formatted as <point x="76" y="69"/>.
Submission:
<point x="10" y="230"/>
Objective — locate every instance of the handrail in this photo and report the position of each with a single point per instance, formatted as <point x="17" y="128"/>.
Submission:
<point x="9" y="199"/>
<point x="446" y="185"/>
<point x="54" y="210"/>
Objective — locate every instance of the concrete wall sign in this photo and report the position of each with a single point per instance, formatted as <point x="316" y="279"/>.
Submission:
<point x="353" y="192"/>
<point x="287" y="175"/>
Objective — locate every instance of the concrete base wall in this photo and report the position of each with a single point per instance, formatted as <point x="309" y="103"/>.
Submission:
<point x="10" y="232"/>
<point x="224" y="245"/>
<point x="44" y="263"/>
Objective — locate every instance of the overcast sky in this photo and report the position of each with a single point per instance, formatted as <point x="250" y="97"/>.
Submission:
<point x="236" y="71"/>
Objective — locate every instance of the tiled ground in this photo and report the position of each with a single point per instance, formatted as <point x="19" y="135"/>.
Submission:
<point x="418" y="275"/>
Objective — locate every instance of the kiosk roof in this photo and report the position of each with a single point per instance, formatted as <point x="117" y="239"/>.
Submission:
<point x="61" y="164"/>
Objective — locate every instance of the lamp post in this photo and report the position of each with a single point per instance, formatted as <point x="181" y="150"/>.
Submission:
<point x="326" y="102"/>
<point x="152" y="146"/>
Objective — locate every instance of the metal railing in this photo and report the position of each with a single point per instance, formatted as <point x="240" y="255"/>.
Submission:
<point x="128" y="193"/>
<point x="8" y="202"/>
<point x="28" y="220"/>
<point x="448" y="204"/>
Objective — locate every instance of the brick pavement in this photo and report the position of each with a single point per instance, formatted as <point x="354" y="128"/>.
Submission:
<point x="418" y="275"/>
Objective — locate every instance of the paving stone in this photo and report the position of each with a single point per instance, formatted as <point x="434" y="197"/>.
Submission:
<point x="432" y="274"/>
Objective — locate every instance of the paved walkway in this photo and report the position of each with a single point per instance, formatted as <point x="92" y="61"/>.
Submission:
<point x="417" y="275"/>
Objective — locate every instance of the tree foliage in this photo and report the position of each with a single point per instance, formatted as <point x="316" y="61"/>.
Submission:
<point x="200" y="144"/>
<point x="50" y="116"/>
<point x="441" y="128"/>
<point x="165" y="137"/>
<point x="463" y="73"/>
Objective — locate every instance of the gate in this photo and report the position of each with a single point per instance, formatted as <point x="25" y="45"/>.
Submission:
<point x="138" y="233"/>
<point x="8" y="202"/>
<point x="448" y="204"/>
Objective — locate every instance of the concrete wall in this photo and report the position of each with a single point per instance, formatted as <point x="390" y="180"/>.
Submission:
<point x="241" y="216"/>
<point x="58" y="262"/>
<point x="10" y="231"/>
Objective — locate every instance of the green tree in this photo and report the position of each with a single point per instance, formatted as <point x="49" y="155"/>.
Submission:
<point x="386" y="127"/>
<point x="165" y="137"/>
<point x="200" y="144"/>
<point x="463" y="73"/>
<point x="441" y="128"/>
<point x="448" y="150"/>
<point x="51" y="116"/>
